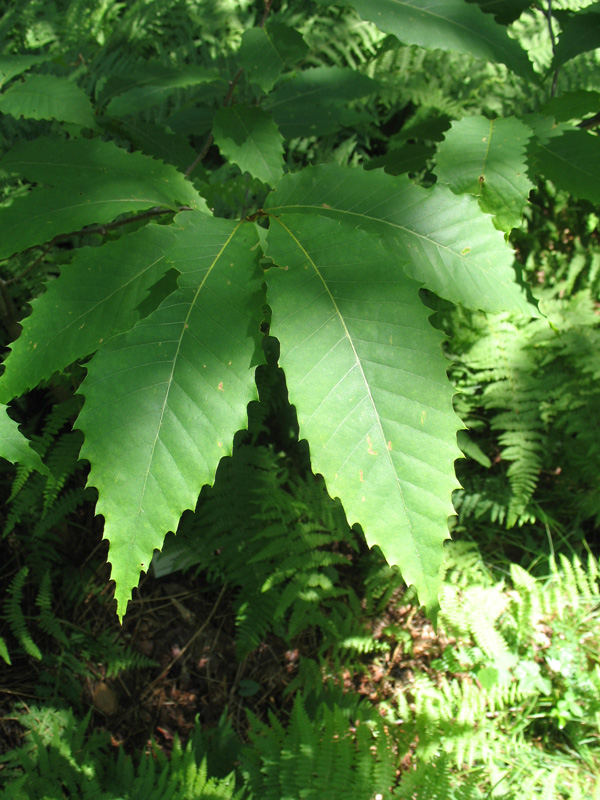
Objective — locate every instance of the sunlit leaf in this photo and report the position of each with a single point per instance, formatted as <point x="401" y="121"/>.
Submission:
<point x="444" y="241"/>
<point x="487" y="158"/>
<point x="368" y="378"/>
<point x="163" y="401"/>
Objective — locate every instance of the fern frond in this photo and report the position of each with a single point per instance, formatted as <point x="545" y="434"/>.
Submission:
<point x="14" y="614"/>
<point x="61" y="461"/>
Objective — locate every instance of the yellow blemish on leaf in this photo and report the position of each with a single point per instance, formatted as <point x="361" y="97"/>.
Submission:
<point x="361" y="476"/>
<point x="220" y="387"/>
<point x="389" y="445"/>
<point x="423" y="415"/>
<point x="465" y="251"/>
<point x="370" y="444"/>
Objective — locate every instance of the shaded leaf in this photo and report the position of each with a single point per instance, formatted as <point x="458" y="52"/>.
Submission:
<point x="48" y="97"/>
<point x="571" y="161"/>
<point x="11" y="66"/>
<point x="322" y="86"/>
<point x="410" y="158"/>
<point x="249" y="137"/>
<point x="93" y="182"/>
<point x="505" y="11"/>
<point x="264" y="52"/>
<point x="158" y="142"/>
<point x="451" y="25"/>
<point x="368" y="378"/>
<point x="580" y="33"/>
<point x="325" y="91"/>
<point x="95" y="297"/>
<point x="152" y="85"/>
<point x="163" y="401"/>
<point x="444" y="241"/>
<point x="15" y="447"/>
<point x="487" y="158"/>
<point x="574" y="105"/>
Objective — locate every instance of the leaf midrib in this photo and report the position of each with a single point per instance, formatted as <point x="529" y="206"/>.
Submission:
<point x="358" y="362"/>
<point x="184" y="328"/>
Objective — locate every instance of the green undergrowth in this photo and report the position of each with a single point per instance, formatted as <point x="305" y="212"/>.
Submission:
<point x="509" y="709"/>
<point x="288" y="122"/>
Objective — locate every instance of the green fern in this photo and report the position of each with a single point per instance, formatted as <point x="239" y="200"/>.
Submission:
<point x="537" y="385"/>
<point x="327" y="753"/>
<point x="13" y="614"/>
<point x="276" y="536"/>
<point x="522" y="684"/>
<point x="62" y="759"/>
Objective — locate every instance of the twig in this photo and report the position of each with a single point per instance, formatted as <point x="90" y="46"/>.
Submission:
<point x="31" y="267"/>
<point x="227" y="101"/>
<point x="9" y="312"/>
<point x="553" y="42"/>
<point x="210" y="138"/>
<point x="165" y="671"/>
<point x="267" y="11"/>
<point x="101" y="229"/>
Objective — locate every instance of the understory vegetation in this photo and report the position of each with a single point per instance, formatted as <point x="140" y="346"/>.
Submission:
<point x="291" y="293"/>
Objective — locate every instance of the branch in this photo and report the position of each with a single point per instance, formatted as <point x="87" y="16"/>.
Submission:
<point x="553" y="42"/>
<point x="100" y="229"/>
<point x="228" y="98"/>
<point x="210" y="137"/>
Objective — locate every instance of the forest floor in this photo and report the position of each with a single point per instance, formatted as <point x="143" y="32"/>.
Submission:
<point x="187" y="628"/>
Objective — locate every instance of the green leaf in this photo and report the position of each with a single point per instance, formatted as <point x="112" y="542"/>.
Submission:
<point x="444" y="241"/>
<point x="322" y="86"/>
<point x="11" y="66"/>
<point x="264" y="52"/>
<point x="487" y="158"/>
<point x="571" y="161"/>
<point x="93" y="182"/>
<point x="368" y="378"/>
<point x="163" y="401"/>
<point x="249" y="137"/>
<point x="504" y="11"/>
<point x="152" y="85"/>
<point x="451" y="25"/>
<point x="574" y="105"/>
<point x="311" y="102"/>
<point x="15" y="447"/>
<point x="410" y="158"/>
<point x="158" y="142"/>
<point x="95" y="298"/>
<point x="48" y="97"/>
<point x="472" y="449"/>
<point x="580" y="33"/>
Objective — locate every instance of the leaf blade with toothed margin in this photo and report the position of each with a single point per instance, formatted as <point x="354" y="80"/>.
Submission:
<point x="94" y="298"/>
<point x="48" y="97"/>
<point x="487" y="158"/>
<point x="368" y="378"/>
<point x="445" y="241"/>
<point x="163" y="401"/>
<point x="451" y="25"/>
<point x="91" y="182"/>
<point x="248" y="137"/>
<point x="15" y="447"/>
